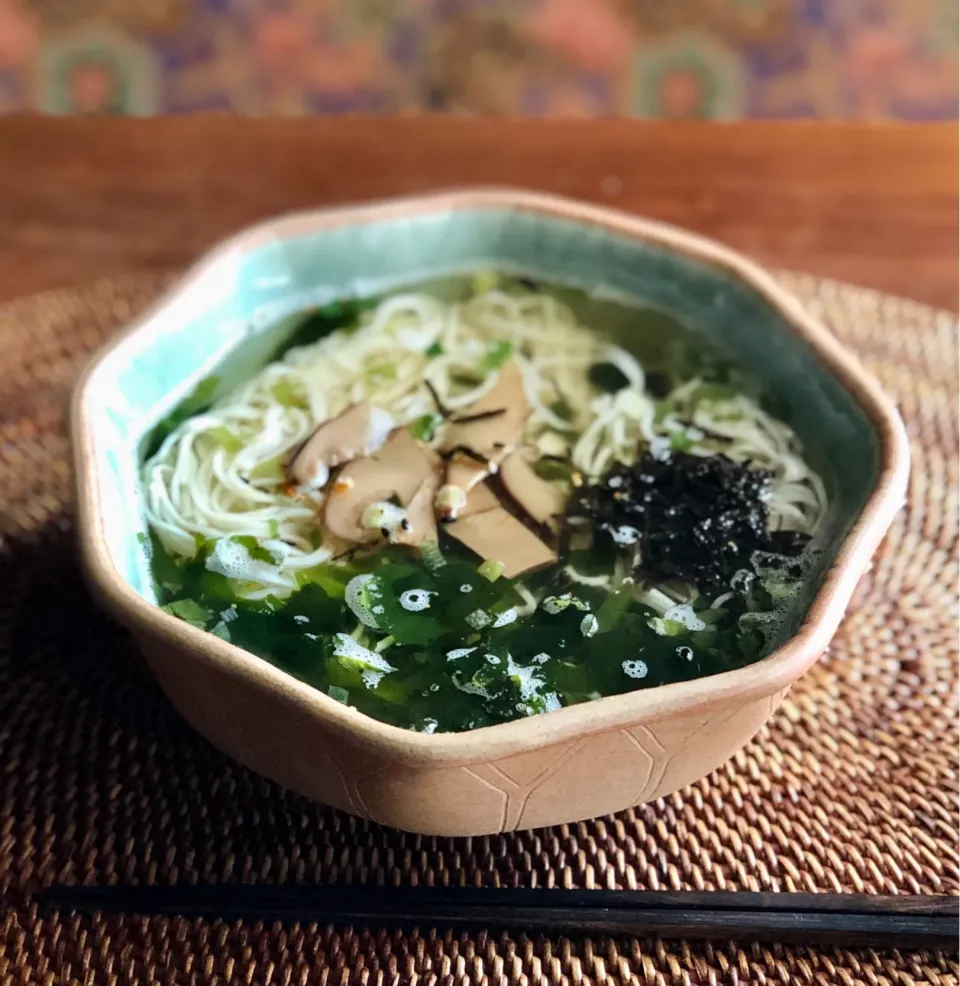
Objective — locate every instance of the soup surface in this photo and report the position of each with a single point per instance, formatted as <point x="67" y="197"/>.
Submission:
<point x="484" y="499"/>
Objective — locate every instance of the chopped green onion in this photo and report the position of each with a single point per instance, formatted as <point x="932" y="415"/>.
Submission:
<point x="485" y="280"/>
<point x="287" y="394"/>
<point x="271" y="469"/>
<point x="382" y="373"/>
<point x="665" y="628"/>
<point x="339" y="694"/>
<point x="274" y="528"/>
<point x="433" y="350"/>
<point x="432" y="557"/>
<point x="680" y="441"/>
<point x="497" y="354"/>
<point x="490" y="570"/>
<point x="220" y="630"/>
<point x="424" y="429"/>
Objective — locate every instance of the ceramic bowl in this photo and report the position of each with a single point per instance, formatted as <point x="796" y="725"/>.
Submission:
<point x="567" y="765"/>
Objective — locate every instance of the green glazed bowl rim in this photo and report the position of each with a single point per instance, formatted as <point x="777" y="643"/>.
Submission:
<point x="771" y="675"/>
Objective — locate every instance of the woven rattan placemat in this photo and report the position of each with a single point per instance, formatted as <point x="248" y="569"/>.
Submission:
<point x="852" y="787"/>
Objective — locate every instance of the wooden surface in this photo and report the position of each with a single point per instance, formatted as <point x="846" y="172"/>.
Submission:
<point x="875" y="205"/>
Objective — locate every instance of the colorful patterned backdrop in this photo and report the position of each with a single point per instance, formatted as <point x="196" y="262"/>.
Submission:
<point x="723" y="59"/>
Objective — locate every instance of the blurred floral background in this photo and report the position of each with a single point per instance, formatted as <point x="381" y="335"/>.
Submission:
<point x="721" y="59"/>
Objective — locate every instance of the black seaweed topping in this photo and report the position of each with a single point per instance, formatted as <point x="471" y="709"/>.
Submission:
<point x="699" y="519"/>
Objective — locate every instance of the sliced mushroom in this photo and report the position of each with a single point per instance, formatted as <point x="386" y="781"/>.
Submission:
<point x="397" y="470"/>
<point x="496" y="535"/>
<point x="421" y="521"/>
<point x="480" y="499"/>
<point x="464" y="474"/>
<point x="541" y="499"/>
<point x="490" y="430"/>
<point x="359" y="430"/>
<point x="451" y="502"/>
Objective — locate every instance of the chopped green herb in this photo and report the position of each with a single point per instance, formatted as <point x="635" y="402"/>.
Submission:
<point x="433" y="350"/>
<point x="274" y="528"/>
<point x="287" y="394"/>
<point x="665" y="628"/>
<point x="339" y="694"/>
<point x="225" y="438"/>
<point x="424" y="429"/>
<point x="382" y="373"/>
<point x="680" y="441"/>
<point x="272" y="469"/>
<point x="497" y="354"/>
<point x="485" y="280"/>
<point x="490" y="570"/>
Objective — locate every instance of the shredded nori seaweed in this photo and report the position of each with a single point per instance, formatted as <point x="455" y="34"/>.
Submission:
<point x="697" y="519"/>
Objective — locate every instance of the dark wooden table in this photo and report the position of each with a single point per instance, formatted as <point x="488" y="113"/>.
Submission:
<point x="871" y="204"/>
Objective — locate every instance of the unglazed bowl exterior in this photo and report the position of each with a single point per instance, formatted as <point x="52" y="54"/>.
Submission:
<point x="578" y="762"/>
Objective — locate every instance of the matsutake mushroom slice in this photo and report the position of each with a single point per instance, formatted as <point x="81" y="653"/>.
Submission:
<point x="359" y="430"/>
<point x="540" y="498"/>
<point x="451" y="502"/>
<point x="479" y="499"/>
<point x="496" y="535"/>
<point x="421" y="520"/>
<point x="396" y="472"/>
<point x="480" y="437"/>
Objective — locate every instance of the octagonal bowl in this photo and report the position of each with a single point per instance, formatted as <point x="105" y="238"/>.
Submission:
<point x="563" y="766"/>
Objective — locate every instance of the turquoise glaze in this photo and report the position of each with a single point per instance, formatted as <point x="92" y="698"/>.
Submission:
<point x="225" y="320"/>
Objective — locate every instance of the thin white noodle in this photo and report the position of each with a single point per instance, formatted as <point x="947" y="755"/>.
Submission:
<point x="220" y="473"/>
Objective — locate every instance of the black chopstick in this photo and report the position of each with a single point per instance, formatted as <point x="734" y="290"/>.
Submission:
<point x="853" y="920"/>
